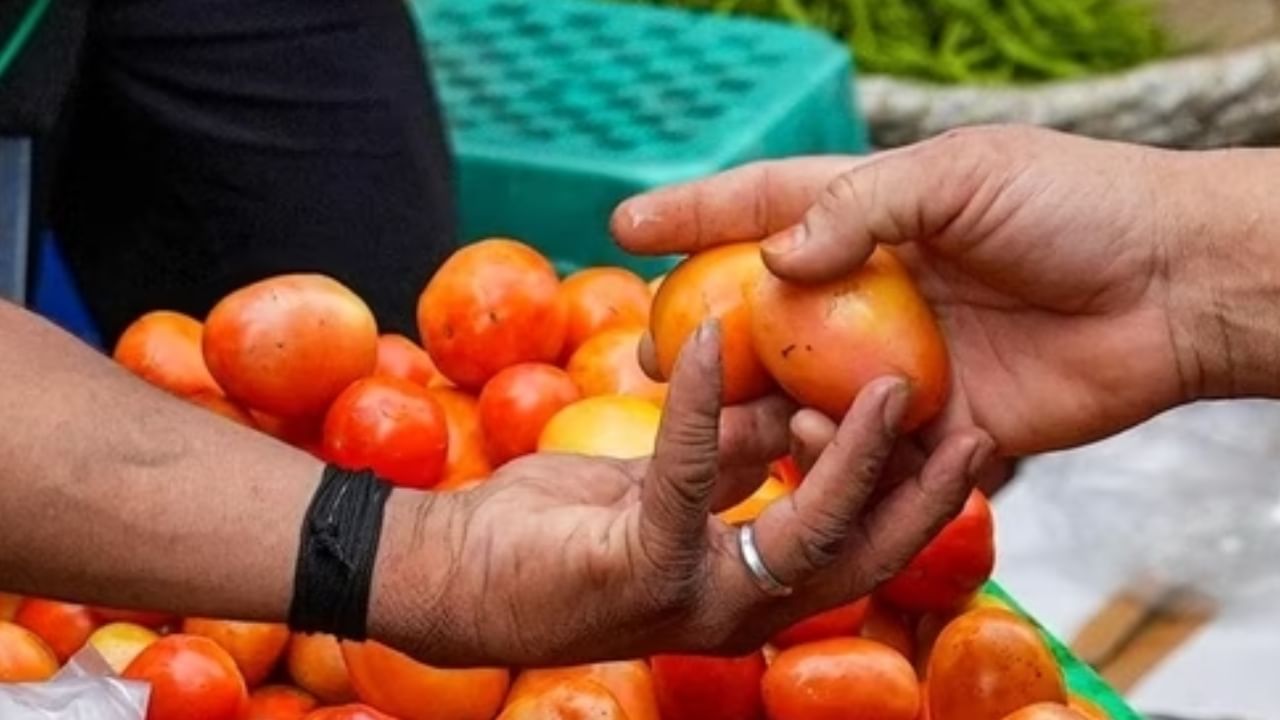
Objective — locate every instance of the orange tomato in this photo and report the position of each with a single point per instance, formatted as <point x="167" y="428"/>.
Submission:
<point x="65" y="627"/>
<point x="656" y="283"/>
<point x="288" y="345"/>
<point x="630" y="682"/>
<point x="24" y="657"/>
<point x="890" y="627"/>
<point x="119" y="643"/>
<point x="987" y="663"/>
<point x="493" y="304"/>
<point x="398" y="685"/>
<point x="301" y="432"/>
<point x="348" y="712"/>
<point x="191" y="678"/>
<point x="823" y="343"/>
<point x="599" y="299"/>
<point x="750" y="508"/>
<point x="1087" y="708"/>
<point x="787" y="471"/>
<point x="279" y="702"/>
<point x="608" y="364"/>
<point x="400" y="357"/>
<point x="691" y="687"/>
<point x="316" y="664"/>
<point x="613" y="426"/>
<point x="843" y="621"/>
<point x="573" y="699"/>
<point x="467" y="457"/>
<point x="256" y="647"/>
<point x="841" y="678"/>
<point x="713" y="283"/>
<point x="952" y="567"/>
<point x="392" y="426"/>
<point x="163" y="348"/>
<point x="516" y="404"/>
<point x="145" y="618"/>
<point x="9" y="605"/>
<point x="1045" y="711"/>
<point x="220" y="405"/>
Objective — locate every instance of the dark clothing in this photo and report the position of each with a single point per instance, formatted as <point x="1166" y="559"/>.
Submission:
<point x="205" y="144"/>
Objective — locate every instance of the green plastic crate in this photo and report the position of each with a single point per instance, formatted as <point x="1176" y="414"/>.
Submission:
<point x="560" y="109"/>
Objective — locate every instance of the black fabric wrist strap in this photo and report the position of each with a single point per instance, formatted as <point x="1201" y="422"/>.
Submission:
<point x="336" y="556"/>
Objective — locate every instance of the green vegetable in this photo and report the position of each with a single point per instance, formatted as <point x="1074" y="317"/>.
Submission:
<point x="973" y="41"/>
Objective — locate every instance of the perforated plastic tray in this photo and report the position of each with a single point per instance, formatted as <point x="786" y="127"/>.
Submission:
<point x="559" y="109"/>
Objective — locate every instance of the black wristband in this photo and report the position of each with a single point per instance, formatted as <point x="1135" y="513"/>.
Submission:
<point x="336" y="556"/>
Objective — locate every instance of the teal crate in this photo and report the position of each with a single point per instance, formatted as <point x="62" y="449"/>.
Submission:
<point x="560" y="109"/>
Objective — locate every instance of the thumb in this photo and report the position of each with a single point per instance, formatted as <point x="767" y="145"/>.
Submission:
<point x="913" y="195"/>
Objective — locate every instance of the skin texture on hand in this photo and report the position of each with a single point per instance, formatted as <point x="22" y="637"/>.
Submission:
<point x="1072" y="277"/>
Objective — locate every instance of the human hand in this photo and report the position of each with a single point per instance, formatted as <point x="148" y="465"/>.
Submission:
<point x="561" y="559"/>
<point x="1053" y="263"/>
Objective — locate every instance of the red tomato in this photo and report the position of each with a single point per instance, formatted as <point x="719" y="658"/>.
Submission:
<point x="890" y="627"/>
<point x="987" y="663"/>
<point x="493" y="304"/>
<point x="843" y="621"/>
<point x="787" y="471"/>
<point x="163" y="348"/>
<point x="571" y="699"/>
<point x="468" y="458"/>
<point x="713" y="283"/>
<point x="145" y="618"/>
<point x="316" y="664"/>
<point x="191" y="678"/>
<point x="288" y="345"/>
<point x="690" y="687"/>
<point x="24" y="657"/>
<point x="400" y="686"/>
<point x="602" y="298"/>
<point x="839" y="679"/>
<point x="9" y="606"/>
<point x="517" y="403"/>
<point x="609" y="364"/>
<point x="348" y="712"/>
<point x="392" y="426"/>
<point x="630" y="683"/>
<point x="400" y="357"/>
<point x="279" y="702"/>
<point x="220" y="405"/>
<point x="823" y="343"/>
<point x="65" y="627"/>
<point x="256" y="647"/>
<point x="303" y="432"/>
<point x="952" y="567"/>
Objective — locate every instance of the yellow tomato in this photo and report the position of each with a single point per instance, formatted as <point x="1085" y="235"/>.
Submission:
<point x="750" y="509"/>
<point x="614" y="426"/>
<point x="119" y="643"/>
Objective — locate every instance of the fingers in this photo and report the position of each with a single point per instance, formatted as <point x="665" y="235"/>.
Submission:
<point x="676" y="494"/>
<point x="801" y="537"/>
<point x="811" y="432"/>
<point x="746" y="203"/>
<point x="751" y="436"/>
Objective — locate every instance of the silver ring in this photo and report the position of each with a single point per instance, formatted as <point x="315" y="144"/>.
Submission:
<point x="765" y="580"/>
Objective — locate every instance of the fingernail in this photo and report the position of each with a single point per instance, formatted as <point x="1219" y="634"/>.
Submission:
<point x="982" y="452"/>
<point x="895" y="406"/>
<point x="784" y="242"/>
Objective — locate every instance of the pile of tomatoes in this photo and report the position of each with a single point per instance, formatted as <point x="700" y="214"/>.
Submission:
<point x="516" y="360"/>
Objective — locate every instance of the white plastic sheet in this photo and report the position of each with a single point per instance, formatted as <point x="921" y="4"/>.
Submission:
<point x="85" y="689"/>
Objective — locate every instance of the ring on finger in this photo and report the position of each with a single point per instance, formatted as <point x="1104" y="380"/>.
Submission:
<point x="768" y="583"/>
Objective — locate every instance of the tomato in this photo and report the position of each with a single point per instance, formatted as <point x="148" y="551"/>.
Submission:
<point x="656" y="283"/>
<point x="713" y="283"/>
<point x="300" y="432"/>
<point x="750" y="508"/>
<point x="1088" y="709"/>
<point x="191" y="678"/>
<point x="164" y="348"/>
<point x="890" y="627"/>
<point x="787" y="471"/>
<point x="988" y="663"/>
<point x="843" y="621"/>
<point x="516" y="404"/>
<point x="400" y="357"/>
<point x="467" y="458"/>
<point x="613" y="426"/>
<point x="572" y="699"/>
<point x="220" y="405"/>
<point x="602" y="298"/>
<point x="119" y="643"/>
<point x="630" y="683"/>
<point x="279" y="702"/>
<point x="392" y="426"/>
<point x="1045" y="711"/>
<point x="609" y="364"/>
<point x="9" y="605"/>
<point x="65" y="627"/>
<point x="841" y="678"/>
<point x="288" y="345"/>
<point x="493" y="304"/>
<point x="348" y="712"/>
<point x="952" y="567"/>
<point x="691" y="687"/>
<point x="24" y="657"/>
<point x="316" y="664"/>
<point x="822" y="343"/>
<point x="145" y="618"/>
<point x="256" y="647"/>
<point x="398" y="685"/>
